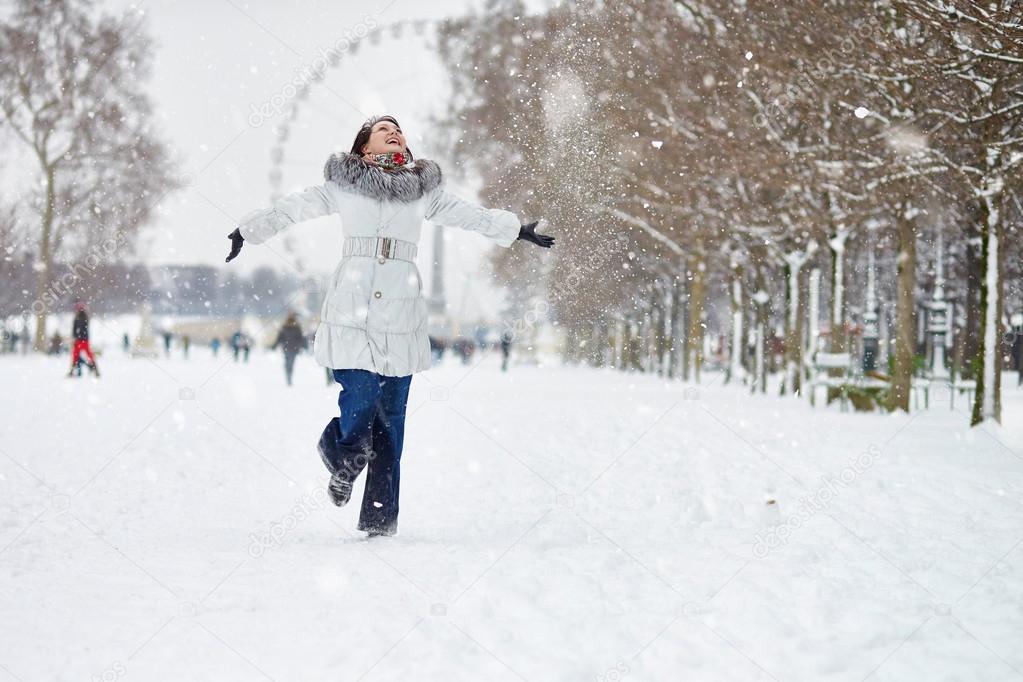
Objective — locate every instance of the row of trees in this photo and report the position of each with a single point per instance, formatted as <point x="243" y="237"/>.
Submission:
<point x="117" y="287"/>
<point x="700" y="158"/>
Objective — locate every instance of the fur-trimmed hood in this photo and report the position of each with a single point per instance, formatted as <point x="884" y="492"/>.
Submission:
<point x="405" y="185"/>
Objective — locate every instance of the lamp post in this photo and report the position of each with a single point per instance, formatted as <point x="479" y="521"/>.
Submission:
<point x="938" y="318"/>
<point x="870" y="329"/>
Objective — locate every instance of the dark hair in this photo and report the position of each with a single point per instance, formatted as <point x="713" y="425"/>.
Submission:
<point x="362" y="137"/>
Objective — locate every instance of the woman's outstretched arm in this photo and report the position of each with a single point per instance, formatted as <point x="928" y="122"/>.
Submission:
<point x="447" y="209"/>
<point x="259" y="225"/>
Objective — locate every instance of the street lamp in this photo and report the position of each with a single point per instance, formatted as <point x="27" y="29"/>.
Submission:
<point x="870" y="328"/>
<point x="938" y="318"/>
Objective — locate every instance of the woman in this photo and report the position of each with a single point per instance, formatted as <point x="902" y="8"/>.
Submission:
<point x="373" y="322"/>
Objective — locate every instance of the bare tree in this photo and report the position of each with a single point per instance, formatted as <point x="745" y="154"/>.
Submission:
<point x="73" y="97"/>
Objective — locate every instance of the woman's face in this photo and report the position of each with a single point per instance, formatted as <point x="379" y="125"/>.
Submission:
<point x="385" y="137"/>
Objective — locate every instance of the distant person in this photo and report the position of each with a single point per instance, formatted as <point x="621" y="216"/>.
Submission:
<point x="236" y="344"/>
<point x="480" y="336"/>
<point x="506" y="342"/>
<point x="80" y="333"/>
<point x="56" y="344"/>
<point x="24" y="336"/>
<point x="167" y="336"/>
<point x="215" y="346"/>
<point x="126" y="343"/>
<point x="463" y="347"/>
<point x="185" y="343"/>
<point x="292" y="341"/>
<point x="437" y="347"/>
<point x="246" y="344"/>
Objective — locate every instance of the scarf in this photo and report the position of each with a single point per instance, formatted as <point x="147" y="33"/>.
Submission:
<point x="392" y="160"/>
<point x="405" y="183"/>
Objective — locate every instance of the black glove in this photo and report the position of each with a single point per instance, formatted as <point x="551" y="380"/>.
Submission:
<point x="236" y="244"/>
<point x="528" y="233"/>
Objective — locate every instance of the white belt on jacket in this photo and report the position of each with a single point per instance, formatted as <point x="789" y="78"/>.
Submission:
<point x="382" y="247"/>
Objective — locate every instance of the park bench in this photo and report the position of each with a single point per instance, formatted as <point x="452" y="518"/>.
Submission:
<point x="831" y="370"/>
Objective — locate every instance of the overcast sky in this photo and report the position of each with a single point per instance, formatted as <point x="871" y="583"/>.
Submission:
<point x="216" y="59"/>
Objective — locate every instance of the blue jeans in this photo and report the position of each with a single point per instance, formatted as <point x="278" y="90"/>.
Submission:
<point x="369" y="434"/>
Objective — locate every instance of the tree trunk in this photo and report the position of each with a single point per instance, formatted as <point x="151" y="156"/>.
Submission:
<point x="663" y="332"/>
<point x="838" y="342"/>
<point x="607" y="345"/>
<point x="837" y="246"/>
<point x="987" y="402"/>
<point x="694" y="339"/>
<point x="645" y="340"/>
<point x="658" y="319"/>
<point x="971" y="332"/>
<point x="905" y="329"/>
<point x="793" y="331"/>
<point x="594" y="348"/>
<point x="633" y="341"/>
<point x="626" y="344"/>
<point x="761" y="317"/>
<point x="44" y="298"/>
<point x="813" y="314"/>
<point x="801" y="314"/>
<point x="677" y="332"/>
<point x="618" y="359"/>
<point x="738" y="345"/>
<point x="759" y="365"/>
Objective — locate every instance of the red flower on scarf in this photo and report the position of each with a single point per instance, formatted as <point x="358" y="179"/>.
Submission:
<point x="399" y="158"/>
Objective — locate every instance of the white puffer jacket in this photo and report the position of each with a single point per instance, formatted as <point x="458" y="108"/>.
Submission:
<point x="374" y="316"/>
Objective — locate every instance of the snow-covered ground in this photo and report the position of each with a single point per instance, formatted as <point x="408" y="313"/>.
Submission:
<point x="168" y="522"/>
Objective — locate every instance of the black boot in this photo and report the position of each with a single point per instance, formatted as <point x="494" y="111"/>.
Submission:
<point x="339" y="489"/>
<point x="327" y="446"/>
<point x="374" y="532"/>
<point x="340" y="486"/>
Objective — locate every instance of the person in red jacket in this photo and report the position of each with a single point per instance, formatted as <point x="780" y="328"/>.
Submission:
<point x="80" y="334"/>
